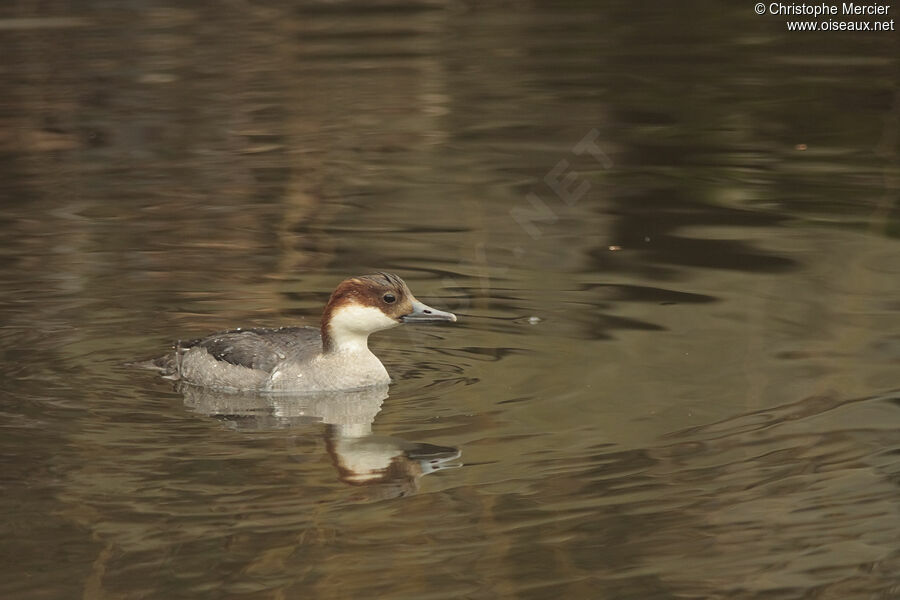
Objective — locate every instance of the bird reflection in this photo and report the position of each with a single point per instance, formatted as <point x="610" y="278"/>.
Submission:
<point x="379" y="466"/>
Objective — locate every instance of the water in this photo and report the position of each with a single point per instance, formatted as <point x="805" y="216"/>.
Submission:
<point x="678" y="381"/>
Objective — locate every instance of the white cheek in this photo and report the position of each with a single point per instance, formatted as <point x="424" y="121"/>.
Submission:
<point x="360" y="319"/>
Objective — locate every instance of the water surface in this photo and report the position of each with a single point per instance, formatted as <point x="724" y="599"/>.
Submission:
<point x="676" y="374"/>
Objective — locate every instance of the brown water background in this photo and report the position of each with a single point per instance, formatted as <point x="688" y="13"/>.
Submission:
<point x="677" y="378"/>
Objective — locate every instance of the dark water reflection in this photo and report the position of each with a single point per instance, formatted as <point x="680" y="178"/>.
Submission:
<point x="682" y="382"/>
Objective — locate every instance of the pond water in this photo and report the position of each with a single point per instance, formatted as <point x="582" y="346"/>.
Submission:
<point x="671" y="234"/>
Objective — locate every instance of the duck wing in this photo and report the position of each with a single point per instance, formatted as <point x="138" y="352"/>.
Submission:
<point x="259" y="348"/>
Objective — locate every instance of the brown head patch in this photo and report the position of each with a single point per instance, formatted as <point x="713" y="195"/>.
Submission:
<point x="384" y="291"/>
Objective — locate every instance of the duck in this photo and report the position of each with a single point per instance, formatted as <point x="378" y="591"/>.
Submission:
<point x="335" y="356"/>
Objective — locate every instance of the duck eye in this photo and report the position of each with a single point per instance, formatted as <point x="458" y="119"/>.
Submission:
<point x="389" y="298"/>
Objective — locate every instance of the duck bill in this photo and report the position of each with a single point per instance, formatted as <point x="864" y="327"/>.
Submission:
<point x="422" y="313"/>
